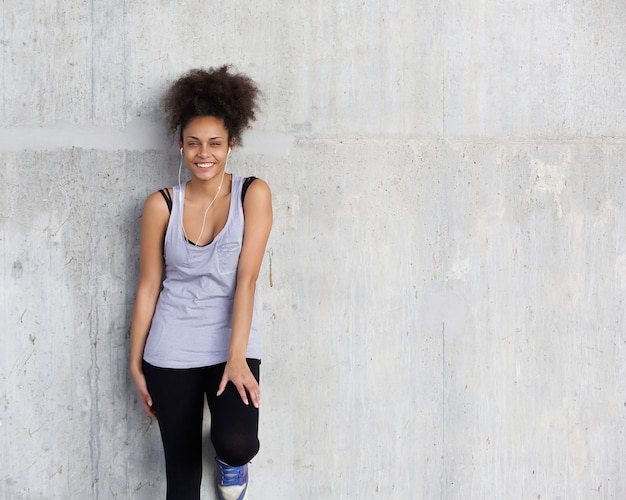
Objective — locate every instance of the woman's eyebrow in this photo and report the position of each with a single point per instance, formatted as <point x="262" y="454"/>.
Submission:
<point x="210" y="138"/>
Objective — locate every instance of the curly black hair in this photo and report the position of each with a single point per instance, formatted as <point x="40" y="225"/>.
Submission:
<point x="214" y="92"/>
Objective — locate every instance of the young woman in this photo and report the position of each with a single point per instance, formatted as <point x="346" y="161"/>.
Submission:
<point x="194" y="330"/>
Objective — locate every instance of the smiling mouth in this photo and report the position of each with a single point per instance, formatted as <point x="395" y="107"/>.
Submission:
<point x="205" y="165"/>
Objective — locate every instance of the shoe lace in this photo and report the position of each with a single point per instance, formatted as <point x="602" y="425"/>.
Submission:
<point x="232" y="476"/>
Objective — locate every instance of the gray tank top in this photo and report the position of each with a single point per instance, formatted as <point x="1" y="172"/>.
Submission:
<point x="192" y="323"/>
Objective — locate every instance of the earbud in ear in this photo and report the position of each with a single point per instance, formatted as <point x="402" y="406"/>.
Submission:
<point x="229" y="150"/>
<point x="181" y="151"/>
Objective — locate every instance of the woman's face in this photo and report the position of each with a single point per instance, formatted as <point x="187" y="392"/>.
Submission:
<point x="205" y="147"/>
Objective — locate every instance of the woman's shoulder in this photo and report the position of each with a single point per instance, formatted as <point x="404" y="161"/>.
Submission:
<point x="252" y="180"/>
<point x="258" y="198"/>
<point x="256" y="187"/>
<point x="160" y="201"/>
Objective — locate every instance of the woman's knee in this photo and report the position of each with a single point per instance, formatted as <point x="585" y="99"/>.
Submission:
<point x="236" y="450"/>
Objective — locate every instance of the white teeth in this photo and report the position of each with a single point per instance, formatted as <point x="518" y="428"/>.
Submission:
<point x="205" y="165"/>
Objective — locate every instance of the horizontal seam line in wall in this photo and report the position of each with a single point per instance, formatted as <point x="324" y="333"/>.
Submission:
<point x="466" y="139"/>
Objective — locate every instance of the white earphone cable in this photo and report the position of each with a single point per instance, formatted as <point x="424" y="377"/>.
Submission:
<point x="180" y="201"/>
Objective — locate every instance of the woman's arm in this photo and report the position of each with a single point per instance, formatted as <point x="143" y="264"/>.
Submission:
<point x="153" y="225"/>
<point x="258" y="222"/>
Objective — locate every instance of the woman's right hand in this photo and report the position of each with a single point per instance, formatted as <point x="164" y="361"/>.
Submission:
<point x="144" y="395"/>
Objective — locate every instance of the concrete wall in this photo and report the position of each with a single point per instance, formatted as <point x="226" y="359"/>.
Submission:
<point x="443" y="294"/>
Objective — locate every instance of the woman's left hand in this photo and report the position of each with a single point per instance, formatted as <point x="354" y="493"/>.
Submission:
<point x="238" y="372"/>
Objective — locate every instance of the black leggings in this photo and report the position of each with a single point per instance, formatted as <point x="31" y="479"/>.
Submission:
<point x="178" y="401"/>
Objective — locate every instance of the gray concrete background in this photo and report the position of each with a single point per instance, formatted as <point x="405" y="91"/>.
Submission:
<point x="443" y="293"/>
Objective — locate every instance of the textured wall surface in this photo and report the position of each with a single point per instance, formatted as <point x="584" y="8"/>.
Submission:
<point x="444" y="289"/>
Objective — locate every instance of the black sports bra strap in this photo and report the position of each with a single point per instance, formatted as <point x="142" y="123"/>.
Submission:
<point x="245" y="186"/>
<point x="168" y="198"/>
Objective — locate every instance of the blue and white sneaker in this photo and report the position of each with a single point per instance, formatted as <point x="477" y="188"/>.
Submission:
<point x="233" y="481"/>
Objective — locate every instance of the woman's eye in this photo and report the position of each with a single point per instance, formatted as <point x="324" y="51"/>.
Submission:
<point x="215" y="144"/>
